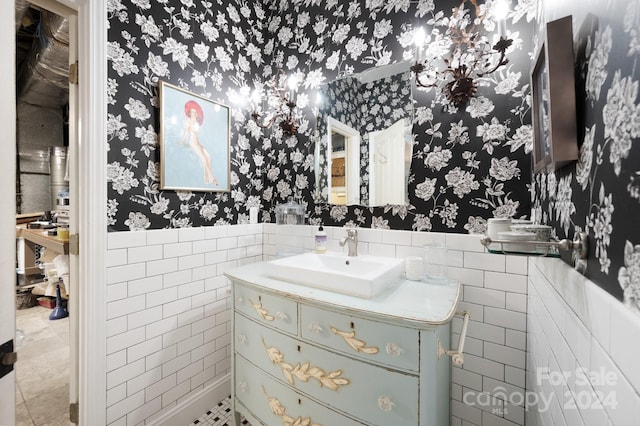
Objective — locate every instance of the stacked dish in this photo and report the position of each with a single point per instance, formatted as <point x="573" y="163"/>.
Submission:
<point x="495" y="226"/>
<point x="542" y="232"/>
<point x="518" y="236"/>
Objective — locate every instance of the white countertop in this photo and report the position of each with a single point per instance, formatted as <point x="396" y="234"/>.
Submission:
<point x="411" y="302"/>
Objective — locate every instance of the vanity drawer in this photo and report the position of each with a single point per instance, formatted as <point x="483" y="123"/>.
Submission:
<point x="373" y="341"/>
<point x="270" y="309"/>
<point x="255" y="389"/>
<point x="376" y="395"/>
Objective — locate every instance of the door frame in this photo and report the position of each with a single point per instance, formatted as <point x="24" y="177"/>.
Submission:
<point x="352" y="160"/>
<point x="92" y="211"/>
<point x="8" y="207"/>
<point x="88" y="214"/>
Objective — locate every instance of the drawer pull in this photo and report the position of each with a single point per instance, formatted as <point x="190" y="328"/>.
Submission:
<point x="356" y="344"/>
<point x="282" y="316"/>
<point x="243" y="386"/>
<point x="242" y="338"/>
<point x="315" y="328"/>
<point x="305" y="371"/>
<point x="281" y="411"/>
<point x="264" y="314"/>
<point x="394" y="350"/>
<point x="385" y="403"/>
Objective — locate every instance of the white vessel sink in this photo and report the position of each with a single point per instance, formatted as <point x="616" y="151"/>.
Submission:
<point x="362" y="276"/>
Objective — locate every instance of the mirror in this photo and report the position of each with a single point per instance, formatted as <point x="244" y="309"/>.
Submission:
<point x="364" y="140"/>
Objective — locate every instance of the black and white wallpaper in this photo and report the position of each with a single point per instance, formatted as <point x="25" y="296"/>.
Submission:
<point x="469" y="164"/>
<point x="600" y="193"/>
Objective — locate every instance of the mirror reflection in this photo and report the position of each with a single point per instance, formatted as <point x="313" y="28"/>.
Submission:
<point x="344" y="179"/>
<point x="365" y="141"/>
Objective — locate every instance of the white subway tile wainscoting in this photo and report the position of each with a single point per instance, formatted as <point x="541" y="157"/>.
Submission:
<point x="582" y="364"/>
<point x="169" y="325"/>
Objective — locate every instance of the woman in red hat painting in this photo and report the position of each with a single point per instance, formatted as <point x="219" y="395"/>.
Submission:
<point x="194" y="120"/>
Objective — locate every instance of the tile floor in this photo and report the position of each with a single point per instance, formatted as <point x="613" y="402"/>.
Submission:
<point x="42" y="370"/>
<point x="219" y="415"/>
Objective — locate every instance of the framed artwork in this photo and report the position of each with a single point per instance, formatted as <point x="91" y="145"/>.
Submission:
<point x="540" y="105"/>
<point x="194" y="141"/>
<point x="553" y="99"/>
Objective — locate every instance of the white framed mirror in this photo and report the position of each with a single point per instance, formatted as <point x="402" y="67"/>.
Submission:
<point x="364" y="142"/>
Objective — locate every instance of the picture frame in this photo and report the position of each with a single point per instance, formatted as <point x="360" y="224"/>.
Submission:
<point x="553" y="99"/>
<point x="194" y="141"/>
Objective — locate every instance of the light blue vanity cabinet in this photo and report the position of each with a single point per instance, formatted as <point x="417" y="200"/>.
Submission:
<point x="321" y="358"/>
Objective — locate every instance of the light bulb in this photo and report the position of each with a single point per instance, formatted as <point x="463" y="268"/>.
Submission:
<point x="292" y="82"/>
<point x="419" y="36"/>
<point x="500" y="9"/>
<point x="255" y="96"/>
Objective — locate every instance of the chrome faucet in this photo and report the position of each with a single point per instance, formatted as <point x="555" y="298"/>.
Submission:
<point x="351" y="240"/>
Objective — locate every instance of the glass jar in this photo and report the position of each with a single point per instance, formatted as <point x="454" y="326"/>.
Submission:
<point x="289" y="235"/>
<point x="435" y="263"/>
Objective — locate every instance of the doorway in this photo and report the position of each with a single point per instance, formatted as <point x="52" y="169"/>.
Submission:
<point x="344" y="166"/>
<point x="46" y="342"/>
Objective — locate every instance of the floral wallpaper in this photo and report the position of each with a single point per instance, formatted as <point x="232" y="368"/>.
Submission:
<point x="469" y="163"/>
<point x="211" y="48"/>
<point x="600" y="193"/>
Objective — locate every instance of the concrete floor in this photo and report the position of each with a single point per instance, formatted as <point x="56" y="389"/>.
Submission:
<point x="42" y="370"/>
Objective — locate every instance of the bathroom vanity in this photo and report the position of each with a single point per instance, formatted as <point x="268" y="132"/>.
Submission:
<point x="304" y="355"/>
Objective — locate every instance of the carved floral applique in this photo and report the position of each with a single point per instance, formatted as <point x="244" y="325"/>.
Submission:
<point x="303" y="372"/>
<point x="356" y="344"/>
<point x="279" y="410"/>
<point x="264" y="314"/>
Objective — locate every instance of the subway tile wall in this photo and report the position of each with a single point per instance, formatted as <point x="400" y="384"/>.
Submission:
<point x="169" y="327"/>
<point x="168" y="323"/>
<point x="583" y="347"/>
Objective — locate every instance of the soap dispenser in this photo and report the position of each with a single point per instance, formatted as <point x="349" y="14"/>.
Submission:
<point x="320" y="240"/>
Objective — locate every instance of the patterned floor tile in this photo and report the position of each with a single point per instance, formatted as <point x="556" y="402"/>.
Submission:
<point x="220" y="415"/>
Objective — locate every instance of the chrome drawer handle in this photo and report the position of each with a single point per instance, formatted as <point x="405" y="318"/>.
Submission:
<point x="356" y="344"/>
<point x="315" y="328"/>
<point x="394" y="350"/>
<point x="385" y="403"/>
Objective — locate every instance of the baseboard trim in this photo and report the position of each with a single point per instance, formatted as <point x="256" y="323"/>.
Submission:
<point x="196" y="405"/>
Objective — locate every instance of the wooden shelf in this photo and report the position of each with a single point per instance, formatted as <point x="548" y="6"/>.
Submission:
<point x="41" y="238"/>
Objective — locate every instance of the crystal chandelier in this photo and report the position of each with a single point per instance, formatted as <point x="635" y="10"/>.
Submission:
<point x="278" y="104"/>
<point x="457" y="54"/>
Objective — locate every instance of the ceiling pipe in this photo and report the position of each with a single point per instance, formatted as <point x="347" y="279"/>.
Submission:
<point x="43" y="79"/>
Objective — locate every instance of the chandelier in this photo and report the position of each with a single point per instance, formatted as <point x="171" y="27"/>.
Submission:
<point x="457" y="54"/>
<point x="278" y="104"/>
